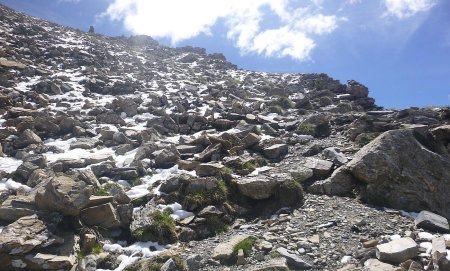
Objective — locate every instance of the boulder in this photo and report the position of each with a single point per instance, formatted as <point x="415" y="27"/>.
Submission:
<point x="166" y="157"/>
<point x="335" y="155"/>
<point x="275" y="151"/>
<point x="400" y="169"/>
<point x="293" y="261"/>
<point x="209" y="169"/>
<point x="430" y="221"/>
<point x="63" y="194"/>
<point x="397" y="251"/>
<point x="103" y="215"/>
<point x="356" y="89"/>
<point x="24" y="235"/>
<point x="26" y="138"/>
<point x="84" y="143"/>
<point x="258" y="187"/>
<point x="321" y="168"/>
<point x="376" y="265"/>
<point x="224" y="251"/>
<point x="275" y="264"/>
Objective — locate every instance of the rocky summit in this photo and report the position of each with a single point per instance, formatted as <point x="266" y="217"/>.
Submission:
<point x="118" y="153"/>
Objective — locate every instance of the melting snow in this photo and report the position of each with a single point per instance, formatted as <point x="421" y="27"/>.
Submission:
<point x="178" y="212"/>
<point x="12" y="185"/>
<point x="146" y="249"/>
<point x="9" y="164"/>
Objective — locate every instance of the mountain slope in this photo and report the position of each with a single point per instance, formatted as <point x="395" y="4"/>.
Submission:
<point x="122" y="145"/>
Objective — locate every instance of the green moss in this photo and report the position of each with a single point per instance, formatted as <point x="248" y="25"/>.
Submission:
<point x="246" y="245"/>
<point x="162" y="229"/>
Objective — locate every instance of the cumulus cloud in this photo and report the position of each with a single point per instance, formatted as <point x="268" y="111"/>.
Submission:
<point x="292" y="35"/>
<point x="407" y="8"/>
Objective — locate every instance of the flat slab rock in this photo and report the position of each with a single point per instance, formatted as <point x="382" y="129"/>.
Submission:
<point x="276" y="264"/>
<point x="224" y="251"/>
<point x="293" y="260"/>
<point x="431" y="221"/>
<point x="376" y="265"/>
<point x="260" y="187"/>
<point x="397" y="251"/>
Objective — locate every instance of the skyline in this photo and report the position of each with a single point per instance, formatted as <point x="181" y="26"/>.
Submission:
<point x="399" y="49"/>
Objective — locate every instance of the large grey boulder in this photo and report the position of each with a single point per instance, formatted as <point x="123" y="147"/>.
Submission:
<point x="258" y="187"/>
<point x="401" y="169"/>
<point x="64" y="195"/>
<point x="430" y="221"/>
<point x="397" y="251"/>
<point x="275" y="151"/>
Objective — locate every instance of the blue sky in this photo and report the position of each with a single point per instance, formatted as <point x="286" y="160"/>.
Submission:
<point x="400" y="49"/>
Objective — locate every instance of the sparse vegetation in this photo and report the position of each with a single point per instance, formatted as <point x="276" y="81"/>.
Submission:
<point x="136" y="181"/>
<point x="162" y="229"/>
<point x="203" y="198"/>
<point x="216" y="225"/>
<point x="306" y="129"/>
<point x="364" y="139"/>
<point x="100" y="191"/>
<point x="275" y="109"/>
<point x="285" y="102"/>
<point x="246" y="245"/>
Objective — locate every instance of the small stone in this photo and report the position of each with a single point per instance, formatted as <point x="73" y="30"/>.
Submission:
<point x="241" y="257"/>
<point x="370" y="243"/>
<point x="315" y="239"/>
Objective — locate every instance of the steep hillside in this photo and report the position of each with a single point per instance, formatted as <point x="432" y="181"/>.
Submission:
<point x="118" y="153"/>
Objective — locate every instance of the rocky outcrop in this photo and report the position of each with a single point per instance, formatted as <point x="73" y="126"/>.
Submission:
<point x="402" y="169"/>
<point x="63" y="194"/>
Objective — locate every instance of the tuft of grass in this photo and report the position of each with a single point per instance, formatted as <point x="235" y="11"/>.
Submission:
<point x="162" y="229"/>
<point x="306" y="129"/>
<point x="285" y="102"/>
<point x="274" y="254"/>
<point x="205" y="198"/>
<point x="364" y="139"/>
<point x="275" y="109"/>
<point x="97" y="249"/>
<point x="246" y="245"/>
<point x="100" y="191"/>
<point x="216" y="225"/>
<point x="136" y="181"/>
<point x="249" y="165"/>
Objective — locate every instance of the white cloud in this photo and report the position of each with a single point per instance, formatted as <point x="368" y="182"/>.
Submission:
<point x="292" y="35"/>
<point x="407" y="8"/>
